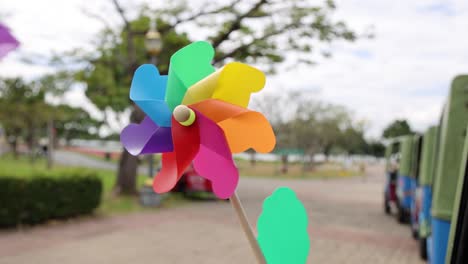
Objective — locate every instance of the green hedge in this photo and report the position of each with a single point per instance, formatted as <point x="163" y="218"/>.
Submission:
<point x="37" y="199"/>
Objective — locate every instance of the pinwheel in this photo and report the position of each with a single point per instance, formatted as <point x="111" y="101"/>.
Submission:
<point x="198" y="114"/>
<point x="7" y="41"/>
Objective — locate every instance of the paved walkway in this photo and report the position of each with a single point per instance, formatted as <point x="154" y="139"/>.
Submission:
<point x="347" y="225"/>
<point x="74" y="159"/>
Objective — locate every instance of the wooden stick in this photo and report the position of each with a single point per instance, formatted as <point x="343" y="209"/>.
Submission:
<point x="236" y="204"/>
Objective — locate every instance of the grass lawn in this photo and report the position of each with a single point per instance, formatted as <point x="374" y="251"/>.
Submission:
<point x="295" y="171"/>
<point x="110" y="204"/>
<point x="264" y="169"/>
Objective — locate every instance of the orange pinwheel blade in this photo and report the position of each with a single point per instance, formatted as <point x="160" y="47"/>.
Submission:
<point x="243" y="128"/>
<point x="249" y="130"/>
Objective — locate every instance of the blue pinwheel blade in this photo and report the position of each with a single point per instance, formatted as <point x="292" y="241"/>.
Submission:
<point x="148" y="91"/>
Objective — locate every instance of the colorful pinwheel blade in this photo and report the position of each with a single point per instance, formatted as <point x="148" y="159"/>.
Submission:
<point x="243" y="128"/>
<point x="148" y="91"/>
<point x="186" y="140"/>
<point x="146" y="137"/>
<point x="188" y="66"/>
<point x="7" y="41"/>
<point x="282" y="228"/>
<point x="234" y="83"/>
<point x="214" y="159"/>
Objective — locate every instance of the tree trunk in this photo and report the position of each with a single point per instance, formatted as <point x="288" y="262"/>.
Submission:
<point x="253" y="159"/>
<point x="128" y="164"/>
<point x="285" y="164"/>
<point x="126" y="176"/>
<point x="14" y="148"/>
<point x="31" y="143"/>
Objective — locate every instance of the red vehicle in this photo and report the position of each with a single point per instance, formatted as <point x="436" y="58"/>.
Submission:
<point x="390" y="191"/>
<point x="191" y="184"/>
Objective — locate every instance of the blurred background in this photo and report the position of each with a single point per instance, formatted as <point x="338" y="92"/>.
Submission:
<point x="343" y="77"/>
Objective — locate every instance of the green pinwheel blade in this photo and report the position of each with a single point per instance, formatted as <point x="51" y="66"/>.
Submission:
<point x="282" y="228"/>
<point x="188" y="66"/>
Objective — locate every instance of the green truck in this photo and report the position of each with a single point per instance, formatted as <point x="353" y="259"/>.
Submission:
<point x="424" y="189"/>
<point x="448" y="163"/>
<point x="457" y="249"/>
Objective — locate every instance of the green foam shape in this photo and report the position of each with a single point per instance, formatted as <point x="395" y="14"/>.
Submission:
<point x="282" y="228"/>
<point x="188" y="66"/>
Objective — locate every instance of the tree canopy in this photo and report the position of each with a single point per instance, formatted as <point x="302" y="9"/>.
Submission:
<point x="24" y="113"/>
<point x="302" y="122"/>
<point x="262" y="32"/>
<point x="397" y="128"/>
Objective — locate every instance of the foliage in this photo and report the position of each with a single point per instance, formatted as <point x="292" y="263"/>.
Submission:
<point x="397" y="128"/>
<point x="296" y="27"/>
<point x="73" y="123"/>
<point x="109" y="73"/>
<point x="23" y="111"/>
<point x="301" y="122"/>
<point x="35" y="200"/>
<point x="376" y="149"/>
<point x="110" y="204"/>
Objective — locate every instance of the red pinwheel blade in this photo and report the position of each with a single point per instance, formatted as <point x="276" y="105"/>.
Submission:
<point x="186" y="140"/>
<point x="214" y="159"/>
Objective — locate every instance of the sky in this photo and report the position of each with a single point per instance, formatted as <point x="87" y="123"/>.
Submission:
<point x="404" y="72"/>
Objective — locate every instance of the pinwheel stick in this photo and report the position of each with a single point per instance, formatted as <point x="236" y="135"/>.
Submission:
<point x="236" y="204"/>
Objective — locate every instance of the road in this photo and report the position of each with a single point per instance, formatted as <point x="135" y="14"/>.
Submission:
<point x="347" y="225"/>
<point x="74" y="159"/>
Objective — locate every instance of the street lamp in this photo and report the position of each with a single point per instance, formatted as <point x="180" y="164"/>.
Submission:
<point x="153" y="42"/>
<point x="153" y="45"/>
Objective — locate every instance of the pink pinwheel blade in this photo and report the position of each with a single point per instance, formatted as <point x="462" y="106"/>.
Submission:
<point x="214" y="159"/>
<point x="7" y="41"/>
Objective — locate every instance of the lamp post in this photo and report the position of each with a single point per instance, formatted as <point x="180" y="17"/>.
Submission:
<point x="153" y="45"/>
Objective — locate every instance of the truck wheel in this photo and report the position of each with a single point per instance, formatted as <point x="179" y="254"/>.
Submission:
<point x="387" y="208"/>
<point x="415" y="233"/>
<point x="423" y="248"/>
<point x="401" y="215"/>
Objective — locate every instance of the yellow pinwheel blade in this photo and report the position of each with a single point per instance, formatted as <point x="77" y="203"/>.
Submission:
<point x="233" y="84"/>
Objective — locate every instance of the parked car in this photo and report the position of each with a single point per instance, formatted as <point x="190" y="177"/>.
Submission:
<point x="192" y="185"/>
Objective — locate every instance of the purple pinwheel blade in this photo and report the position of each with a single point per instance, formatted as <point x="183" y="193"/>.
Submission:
<point x="7" y="41"/>
<point x="146" y="138"/>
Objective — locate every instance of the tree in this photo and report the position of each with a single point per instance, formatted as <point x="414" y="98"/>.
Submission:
<point x="306" y="124"/>
<point x="73" y="123"/>
<point x="376" y="149"/>
<point x="397" y="128"/>
<point x="23" y="112"/>
<point x="239" y="30"/>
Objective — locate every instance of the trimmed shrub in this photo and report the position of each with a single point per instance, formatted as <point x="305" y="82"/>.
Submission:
<point x="37" y="199"/>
